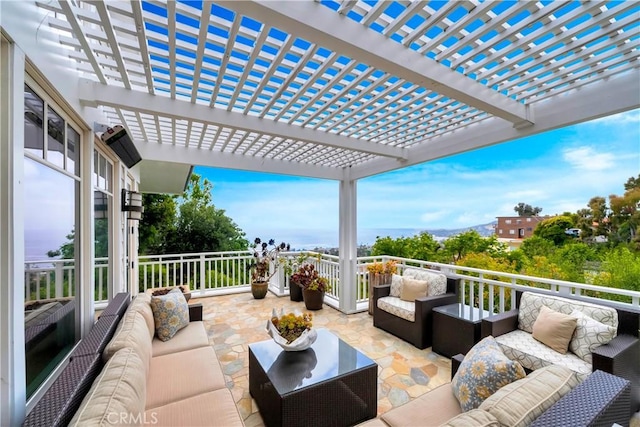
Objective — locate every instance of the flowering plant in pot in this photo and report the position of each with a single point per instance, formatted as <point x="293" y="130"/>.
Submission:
<point x="290" y="264"/>
<point x="313" y="286"/>
<point x="264" y="253"/>
<point x="292" y="331"/>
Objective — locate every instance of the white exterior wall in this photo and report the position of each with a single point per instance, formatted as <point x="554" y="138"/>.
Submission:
<point x="32" y="48"/>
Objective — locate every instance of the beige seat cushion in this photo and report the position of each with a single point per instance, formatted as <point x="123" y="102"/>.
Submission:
<point x="178" y="376"/>
<point x="430" y="409"/>
<point x="132" y="332"/>
<point x="214" y="409"/>
<point x="521" y="346"/>
<point x="412" y="289"/>
<point x="394" y="305"/>
<point x="554" y="329"/>
<point x="117" y="396"/>
<point x="376" y="422"/>
<point x="519" y="403"/>
<point x="193" y="336"/>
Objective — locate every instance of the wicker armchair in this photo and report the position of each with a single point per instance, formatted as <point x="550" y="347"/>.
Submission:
<point x="418" y="332"/>
<point x="620" y="357"/>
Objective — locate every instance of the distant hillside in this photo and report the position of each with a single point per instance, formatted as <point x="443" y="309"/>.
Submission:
<point x="368" y="236"/>
<point x="484" y="230"/>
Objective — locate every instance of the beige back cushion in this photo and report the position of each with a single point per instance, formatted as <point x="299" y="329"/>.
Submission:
<point x="532" y="302"/>
<point x="519" y="403"/>
<point x="412" y="289"/>
<point x="554" y="329"/>
<point x="437" y="281"/>
<point x="475" y="418"/>
<point x="132" y="332"/>
<point x="117" y="396"/>
<point x="142" y="304"/>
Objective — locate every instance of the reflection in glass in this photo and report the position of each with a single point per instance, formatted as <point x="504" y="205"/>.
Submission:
<point x="51" y="199"/>
<point x="102" y="207"/>
<point x="55" y="139"/>
<point x="291" y="368"/>
<point x="73" y="146"/>
<point x="33" y="119"/>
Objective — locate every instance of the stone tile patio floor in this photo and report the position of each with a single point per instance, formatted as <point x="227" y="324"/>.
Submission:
<point x="235" y="321"/>
<point x="404" y="372"/>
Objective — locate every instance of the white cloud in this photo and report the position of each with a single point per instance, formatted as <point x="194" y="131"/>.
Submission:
<point x="432" y="216"/>
<point x="587" y="158"/>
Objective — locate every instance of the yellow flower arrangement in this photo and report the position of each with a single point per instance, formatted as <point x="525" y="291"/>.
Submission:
<point x="290" y="326"/>
<point x="389" y="267"/>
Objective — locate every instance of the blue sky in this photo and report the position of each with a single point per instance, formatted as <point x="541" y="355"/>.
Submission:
<point x="558" y="171"/>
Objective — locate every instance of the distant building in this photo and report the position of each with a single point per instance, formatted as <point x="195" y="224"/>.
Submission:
<point x="517" y="227"/>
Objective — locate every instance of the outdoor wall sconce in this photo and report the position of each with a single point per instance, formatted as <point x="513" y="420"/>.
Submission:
<point x="132" y="204"/>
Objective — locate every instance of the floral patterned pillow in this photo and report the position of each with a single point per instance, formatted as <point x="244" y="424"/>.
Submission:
<point x="484" y="370"/>
<point x="170" y="314"/>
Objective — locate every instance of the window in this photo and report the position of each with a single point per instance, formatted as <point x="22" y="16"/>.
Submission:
<point x="512" y="231"/>
<point x="51" y="234"/>
<point x="500" y="231"/>
<point x="528" y="219"/>
<point x="102" y="204"/>
<point x="507" y="221"/>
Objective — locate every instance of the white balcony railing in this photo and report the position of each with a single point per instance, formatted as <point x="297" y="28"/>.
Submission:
<point x="496" y="291"/>
<point x="225" y="272"/>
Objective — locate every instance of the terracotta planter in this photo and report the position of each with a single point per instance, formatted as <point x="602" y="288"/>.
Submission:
<point x="313" y="300"/>
<point x="295" y="291"/>
<point x="259" y="289"/>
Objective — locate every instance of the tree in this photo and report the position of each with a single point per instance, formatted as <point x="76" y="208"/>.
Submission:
<point x="471" y="241"/>
<point x="200" y="226"/>
<point x="553" y="229"/>
<point x="625" y="213"/>
<point x="523" y="209"/>
<point x="422" y="246"/>
<point x="157" y="223"/>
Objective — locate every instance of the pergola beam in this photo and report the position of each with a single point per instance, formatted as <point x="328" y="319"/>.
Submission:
<point x="95" y="94"/>
<point x="202" y="157"/>
<point x="321" y="26"/>
<point x="588" y="103"/>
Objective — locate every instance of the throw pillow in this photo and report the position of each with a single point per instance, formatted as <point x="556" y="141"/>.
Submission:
<point x="412" y="289"/>
<point x="170" y="314"/>
<point x="518" y="404"/>
<point x="554" y="329"/>
<point x="396" y="285"/>
<point x="589" y="334"/>
<point x="484" y="370"/>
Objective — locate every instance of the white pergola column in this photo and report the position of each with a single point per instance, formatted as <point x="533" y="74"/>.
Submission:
<point x="348" y="243"/>
<point x="12" y="349"/>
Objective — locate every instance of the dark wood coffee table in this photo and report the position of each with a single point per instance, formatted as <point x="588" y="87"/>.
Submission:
<point x="330" y="384"/>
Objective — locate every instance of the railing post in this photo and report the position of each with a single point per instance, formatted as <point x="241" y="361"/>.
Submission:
<point x="59" y="278"/>
<point x="203" y="279"/>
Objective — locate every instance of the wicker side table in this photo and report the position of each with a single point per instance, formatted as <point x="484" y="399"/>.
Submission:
<point x="456" y="328"/>
<point x="600" y="400"/>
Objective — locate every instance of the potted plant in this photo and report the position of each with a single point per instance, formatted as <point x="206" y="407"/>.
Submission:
<point x="380" y="274"/>
<point x="263" y="255"/>
<point x="289" y="266"/>
<point x="313" y="286"/>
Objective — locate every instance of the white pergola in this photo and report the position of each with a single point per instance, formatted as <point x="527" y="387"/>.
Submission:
<point x="344" y="89"/>
<point x="332" y="89"/>
<point x="337" y="90"/>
